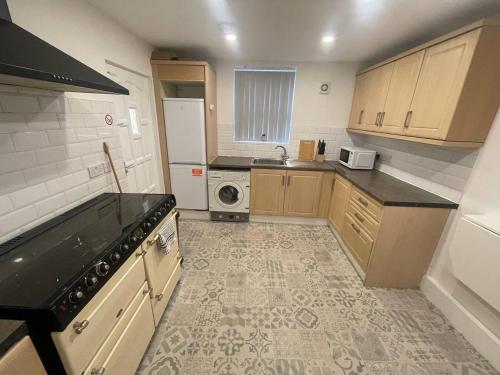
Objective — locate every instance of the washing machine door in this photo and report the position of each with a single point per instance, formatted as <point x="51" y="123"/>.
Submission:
<point x="229" y="194"/>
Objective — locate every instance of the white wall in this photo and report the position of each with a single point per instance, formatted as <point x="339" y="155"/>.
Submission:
<point x="472" y="316"/>
<point x="48" y="139"/>
<point x="314" y="115"/>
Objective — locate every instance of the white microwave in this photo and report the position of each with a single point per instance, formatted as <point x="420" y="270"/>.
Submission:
<point x="357" y="157"/>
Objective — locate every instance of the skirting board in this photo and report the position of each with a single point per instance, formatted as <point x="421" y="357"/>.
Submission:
<point x="287" y="220"/>
<point x="473" y="330"/>
<point x="193" y="214"/>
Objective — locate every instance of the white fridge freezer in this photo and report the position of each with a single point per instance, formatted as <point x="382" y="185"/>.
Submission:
<point x="189" y="185"/>
<point x="185" y="131"/>
<point x="185" y="127"/>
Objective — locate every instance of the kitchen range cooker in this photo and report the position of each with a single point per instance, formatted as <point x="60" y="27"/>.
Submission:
<point x="50" y="273"/>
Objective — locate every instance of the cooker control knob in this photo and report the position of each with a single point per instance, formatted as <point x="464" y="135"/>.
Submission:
<point x="102" y="268"/>
<point x="91" y="281"/>
<point x="115" y="257"/>
<point x="76" y="296"/>
<point x="124" y="247"/>
<point x="153" y="219"/>
<point x="158" y="214"/>
<point x="146" y="225"/>
<point x="133" y="239"/>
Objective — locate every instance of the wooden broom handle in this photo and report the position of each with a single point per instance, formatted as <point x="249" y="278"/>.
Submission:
<point x="106" y="151"/>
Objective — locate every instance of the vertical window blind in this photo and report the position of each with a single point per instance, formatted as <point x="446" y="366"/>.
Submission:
<point x="263" y="100"/>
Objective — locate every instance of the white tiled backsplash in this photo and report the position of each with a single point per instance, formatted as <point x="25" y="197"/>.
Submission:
<point x="47" y="142"/>
<point x="334" y="138"/>
<point x="439" y="170"/>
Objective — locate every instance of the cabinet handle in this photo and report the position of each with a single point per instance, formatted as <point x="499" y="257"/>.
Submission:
<point x="140" y="253"/>
<point x="359" y="217"/>
<point x="80" y="326"/>
<point x="97" y="371"/>
<point x="408" y="118"/>
<point x="283" y="180"/>
<point x="152" y="241"/>
<point x="362" y="201"/>
<point x="376" y="118"/>
<point x="159" y="297"/>
<point x="360" y="115"/>
<point x="288" y="180"/>
<point x="149" y="290"/>
<point x="355" y="228"/>
<point x="382" y="118"/>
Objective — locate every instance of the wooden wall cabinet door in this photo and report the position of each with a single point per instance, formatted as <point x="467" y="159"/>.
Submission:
<point x="338" y="202"/>
<point x="359" y="102"/>
<point x="400" y="92"/>
<point x="267" y="191"/>
<point x="303" y="191"/>
<point x="442" y="76"/>
<point x="379" y="82"/>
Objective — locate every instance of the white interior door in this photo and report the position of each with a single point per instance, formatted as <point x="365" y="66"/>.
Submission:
<point x="134" y="116"/>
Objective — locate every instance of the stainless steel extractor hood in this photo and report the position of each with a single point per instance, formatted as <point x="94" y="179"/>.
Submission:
<point x="26" y="60"/>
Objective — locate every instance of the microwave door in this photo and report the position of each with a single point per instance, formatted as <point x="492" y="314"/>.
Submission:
<point x="344" y="156"/>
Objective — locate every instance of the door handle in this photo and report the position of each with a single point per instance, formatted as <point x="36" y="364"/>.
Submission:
<point x="80" y="326"/>
<point x="408" y="119"/>
<point x="287" y="180"/>
<point x="360" y="115"/>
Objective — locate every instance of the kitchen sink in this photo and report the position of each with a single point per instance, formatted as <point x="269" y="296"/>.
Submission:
<point x="264" y="161"/>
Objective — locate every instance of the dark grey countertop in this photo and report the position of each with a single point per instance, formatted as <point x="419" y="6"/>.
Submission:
<point x="11" y="331"/>
<point x="386" y="189"/>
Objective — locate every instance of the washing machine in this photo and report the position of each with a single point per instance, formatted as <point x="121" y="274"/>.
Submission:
<point x="229" y="194"/>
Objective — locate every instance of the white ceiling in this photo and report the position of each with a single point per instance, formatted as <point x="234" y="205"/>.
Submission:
<point x="291" y="30"/>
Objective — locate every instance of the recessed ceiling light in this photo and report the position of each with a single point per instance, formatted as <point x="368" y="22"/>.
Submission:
<point x="231" y="36"/>
<point x="328" y="39"/>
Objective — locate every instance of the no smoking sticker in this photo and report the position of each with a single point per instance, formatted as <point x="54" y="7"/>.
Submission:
<point x="108" y="119"/>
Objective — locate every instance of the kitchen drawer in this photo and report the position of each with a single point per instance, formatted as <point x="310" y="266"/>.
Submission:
<point x="359" y="242"/>
<point x="125" y="356"/>
<point x="106" y="348"/>
<point x="102" y="313"/>
<point x="160" y="301"/>
<point x="366" y="203"/>
<point x="22" y="359"/>
<point x="363" y="219"/>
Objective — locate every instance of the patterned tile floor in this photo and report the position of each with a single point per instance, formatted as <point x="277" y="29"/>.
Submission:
<point x="276" y="299"/>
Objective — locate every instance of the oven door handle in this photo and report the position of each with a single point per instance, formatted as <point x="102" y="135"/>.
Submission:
<point x="80" y="326"/>
<point x="98" y="371"/>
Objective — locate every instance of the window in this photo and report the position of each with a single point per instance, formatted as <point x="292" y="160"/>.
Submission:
<point x="263" y="100"/>
<point x="134" y="124"/>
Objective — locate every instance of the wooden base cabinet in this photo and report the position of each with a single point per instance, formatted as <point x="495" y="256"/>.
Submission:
<point x="444" y="92"/>
<point x="280" y="192"/>
<point x="390" y="246"/>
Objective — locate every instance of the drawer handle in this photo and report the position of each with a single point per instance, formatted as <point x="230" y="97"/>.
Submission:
<point x="288" y="180"/>
<point x="149" y="290"/>
<point x="80" y="326"/>
<point x="355" y="228"/>
<point x="153" y="241"/>
<point x="359" y="217"/>
<point x="140" y="253"/>
<point x="159" y="297"/>
<point x="97" y="371"/>
<point x="283" y="180"/>
<point x="362" y="201"/>
<point x="381" y="121"/>
<point x="377" y="118"/>
<point x="360" y="116"/>
<point x="408" y="119"/>
<point x="119" y="313"/>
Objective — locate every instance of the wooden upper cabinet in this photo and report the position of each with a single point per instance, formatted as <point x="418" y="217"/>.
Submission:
<point x="439" y="86"/>
<point x="303" y="190"/>
<point x="359" y="102"/>
<point x="268" y="191"/>
<point x="400" y="92"/>
<point x="338" y="203"/>
<point x="379" y="80"/>
<point x="444" y="92"/>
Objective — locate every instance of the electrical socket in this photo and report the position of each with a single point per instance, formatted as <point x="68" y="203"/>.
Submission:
<point x="96" y="170"/>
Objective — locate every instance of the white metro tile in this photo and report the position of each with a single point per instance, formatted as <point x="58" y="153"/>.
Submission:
<point x="70" y="120"/>
<point x="61" y="184"/>
<point x="77" y="193"/>
<point x="86" y="134"/>
<point x="12" y="122"/>
<point x="30" y="140"/>
<point x="19" y="103"/>
<point x="35" y="91"/>
<point x="16" y="161"/>
<point x="61" y="136"/>
<point x="6" y="144"/>
<point x="40" y="174"/>
<point x="50" y="204"/>
<point x="102" y="106"/>
<point x="54" y="104"/>
<point x="51" y="154"/>
<point x="80" y="105"/>
<point x="69" y="166"/>
<point x="5" y="205"/>
<point x="42" y="121"/>
<point x="11" y="182"/>
<point x="16" y="219"/>
<point x="29" y="195"/>
<point x="93" y="121"/>
<point x="80" y="149"/>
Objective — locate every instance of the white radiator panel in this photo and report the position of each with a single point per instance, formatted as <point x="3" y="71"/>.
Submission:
<point x="475" y="256"/>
